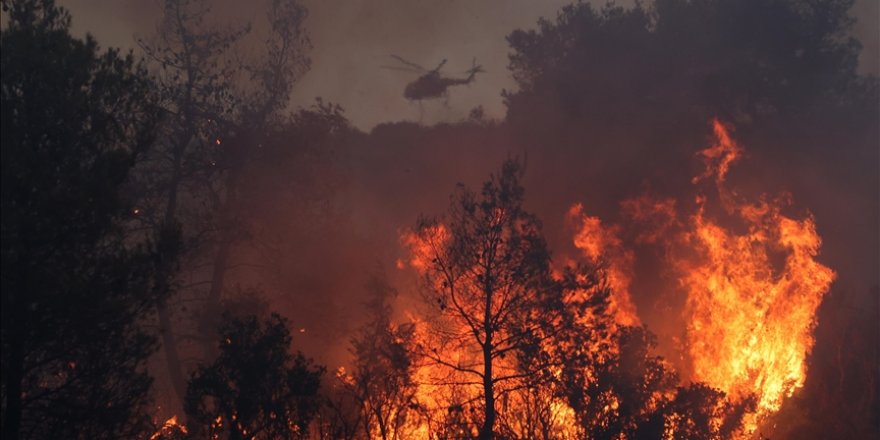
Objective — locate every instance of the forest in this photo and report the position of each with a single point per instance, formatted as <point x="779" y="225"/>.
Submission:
<point x="672" y="233"/>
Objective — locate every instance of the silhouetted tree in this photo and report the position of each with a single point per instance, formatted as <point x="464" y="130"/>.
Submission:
<point x="650" y="75"/>
<point x="488" y="269"/>
<point x="701" y="412"/>
<point x="741" y="60"/>
<point x="224" y="118"/>
<point x="619" y="389"/>
<point x="340" y="415"/>
<point x="843" y="379"/>
<point x="257" y="116"/>
<point x="74" y="287"/>
<point x="575" y="326"/>
<point x="256" y="388"/>
<point x="382" y="377"/>
<point x="194" y="78"/>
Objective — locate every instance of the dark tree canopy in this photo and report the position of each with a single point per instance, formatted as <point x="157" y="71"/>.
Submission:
<point x="626" y="391"/>
<point x="382" y="377"/>
<point x="649" y="77"/>
<point x="256" y="388"/>
<point x="74" y="287"/>
<point x="729" y="58"/>
<point x="226" y="152"/>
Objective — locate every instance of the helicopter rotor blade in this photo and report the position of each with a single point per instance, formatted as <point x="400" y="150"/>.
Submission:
<point x="408" y="63"/>
<point x="402" y="69"/>
<point x="475" y="68"/>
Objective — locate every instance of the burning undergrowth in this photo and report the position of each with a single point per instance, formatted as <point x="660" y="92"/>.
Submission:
<point x="746" y="269"/>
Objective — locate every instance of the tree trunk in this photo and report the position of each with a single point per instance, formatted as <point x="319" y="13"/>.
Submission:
<point x="487" y="431"/>
<point x="382" y="428"/>
<point x="172" y="357"/>
<point x="213" y="307"/>
<point x="169" y="344"/>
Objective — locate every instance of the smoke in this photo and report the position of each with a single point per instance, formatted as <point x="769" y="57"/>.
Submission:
<point x="624" y="120"/>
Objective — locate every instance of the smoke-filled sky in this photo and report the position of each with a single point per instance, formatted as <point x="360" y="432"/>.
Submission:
<point x="353" y="39"/>
<point x="397" y="176"/>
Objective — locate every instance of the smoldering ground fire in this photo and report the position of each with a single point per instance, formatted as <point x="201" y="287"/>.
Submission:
<point x="665" y="226"/>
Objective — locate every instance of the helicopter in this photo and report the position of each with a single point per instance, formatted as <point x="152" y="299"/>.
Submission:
<point x="431" y="84"/>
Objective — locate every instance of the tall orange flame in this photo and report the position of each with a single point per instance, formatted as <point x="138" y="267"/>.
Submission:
<point x="750" y="324"/>
<point x="601" y="243"/>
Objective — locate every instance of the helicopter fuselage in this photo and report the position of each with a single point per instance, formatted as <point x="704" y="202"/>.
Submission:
<point x="432" y="85"/>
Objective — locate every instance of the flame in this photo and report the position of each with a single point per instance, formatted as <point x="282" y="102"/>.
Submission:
<point x="720" y="156"/>
<point x="752" y="291"/>
<point x="656" y="218"/>
<point x="169" y="429"/>
<point x="445" y="393"/>
<point x="750" y="324"/>
<point x="751" y="297"/>
<point x="602" y="243"/>
<point x="422" y="246"/>
<point x="749" y="327"/>
<point x="749" y="275"/>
